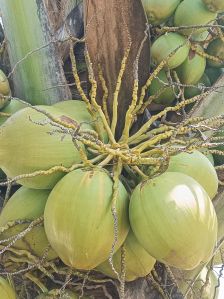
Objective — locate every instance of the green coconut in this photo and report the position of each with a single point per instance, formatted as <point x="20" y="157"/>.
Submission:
<point x="174" y="220"/>
<point x="205" y="286"/>
<point x="27" y="147"/>
<point x="192" y="69"/>
<point x="199" y="37"/>
<point x="4" y="90"/>
<point x="138" y="263"/>
<point x="193" y="13"/>
<point x="213" y="74"/>
<point x="78" y="111"/>
<point x="158" y="11"/>
<point x="168" y="95"/>
<point x="190" y="92"/>
<point x="13" y="106"/>
<point x="6" y="291"/>
<point x="26" y="204"/>
<point x="208" y="156"/>
<point x="78" y="219"/>
<point x="214" y="5"/>
<point x="169" y="43"/>
<point x="197" y="166"/>
<point x="216" y="49"/>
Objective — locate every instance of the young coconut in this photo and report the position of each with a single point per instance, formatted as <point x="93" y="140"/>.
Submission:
<point x="78" y="219"/>
<point x="193" y="13"/>
<point x="13" y="106"/>
<point x="216" y="49"/>
<point x="34" y="148"/>
<point x="158" y="84"/>
<point x="4" y="90"/>
<point x="214" y="5"/>
<point x="213" y="74"/>
<point x="197" y="166"/>
<point x="158" y="11"/>
<point x="138" y="263"/>
<point x="190" y="92"/>
<point x="170" y="44"/>
<point x="6" y="291"/>
<point x="26" y="204"/>
<point x="192" y="69"/>
<point x="173" y="218"/>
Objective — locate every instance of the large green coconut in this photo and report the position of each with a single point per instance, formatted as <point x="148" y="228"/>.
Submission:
<point x="193" y="13"/>
<point x="196" y="165"/>
<point x="78" y="111"/>
<point x="26" y="204"/>
<point x="158" y="11"/>
<point x="27" y="147"/>
<point x="192" y="69"/>
<point x="78" y="219"/>
<point x="190" y="92"/>
<point x="4" y="90"/>
<point x="174" y="220"/>
<point x="214" y="5"/>
<point x="170" y="43"/>
<point x="138" y="263"/>
<point x="216" y="49"/>
<point x="168" y="95"/>
<point x="6" y="291"/>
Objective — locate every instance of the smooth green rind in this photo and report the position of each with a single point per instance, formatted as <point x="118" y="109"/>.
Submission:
<point x="27" y="147"/>
<point x="78" y="111"/>
<point x="168" y="95"/>
<point x="78" y="219"/>
<point x="216" y="48"/>
<point x="6" y="291"/>
<point x="214" y="5"/>
<point x="13" y="106"/>
<point x="192" y="69"/>
<point x="27" y="204"/>
<point x="190" y="92"/>
<point x="138" y="263"/>
<point x="167" y="44"/>
<point x="158" y="11"/>
<point x="174" y="220"/>
<point x="213" y="74"/>
<point x="193" y="13"/>
<point x="197" y="166"/>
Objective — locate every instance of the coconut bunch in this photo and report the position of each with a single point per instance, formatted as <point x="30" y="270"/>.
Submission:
<point x="90" y="201"/>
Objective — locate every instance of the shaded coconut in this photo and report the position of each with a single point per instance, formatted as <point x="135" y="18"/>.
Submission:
<point x="216" y="49"/>
<point x="157" y="85"/>
<point x="138" y="263"/>
<point x="193" y="13"/>
<point x="78" y="219"/>
<point x="158" y="11"/>
<point x="213" y="74"/>
<point x="170" y="43"/>
<point x="26" y="204"/>
<point x="174" y="220"/>
<point x="192" y="69"/>
<point x="4" y="90"/>
<point x="190" y="92"/>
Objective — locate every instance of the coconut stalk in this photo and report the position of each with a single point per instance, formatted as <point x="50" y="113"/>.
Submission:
<point x="37" y="71"/>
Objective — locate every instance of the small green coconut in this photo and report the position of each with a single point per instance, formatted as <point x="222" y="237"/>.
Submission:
<point x="214" y="5"/>
<point x="193" y="13"/>
<point x="13" y="106"/>
<point x="190" y="92"/>
<point x="138" y="263"/>
<point x="158" y="84"/>
<point x="213" y="73"/>
<point x="4" y="90"/>
<point x="158" y="11"/>
<point x="216" y="49"/>
<point x="192" y="69"/>
<point x="170" y="43"/>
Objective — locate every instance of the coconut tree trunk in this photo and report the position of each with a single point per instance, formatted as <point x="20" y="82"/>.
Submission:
<point x="35" y="61"/>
